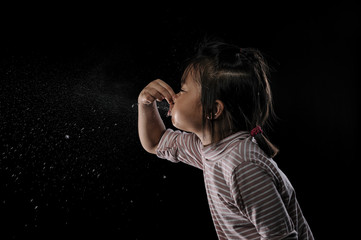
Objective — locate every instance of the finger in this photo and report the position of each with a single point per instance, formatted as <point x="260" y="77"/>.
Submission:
<point x="149" y="95"/>
<point x="167" y="87"/>
<point x="166" y="91"/>
<point x="146" y="98"/>
<point x="156" y="94"/>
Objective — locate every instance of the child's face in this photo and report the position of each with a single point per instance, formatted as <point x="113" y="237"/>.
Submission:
<point x="187" y="109"/>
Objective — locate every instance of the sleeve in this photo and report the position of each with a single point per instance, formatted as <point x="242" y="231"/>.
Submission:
<point x="254" y="190"/>
<point x="177" y="146"/>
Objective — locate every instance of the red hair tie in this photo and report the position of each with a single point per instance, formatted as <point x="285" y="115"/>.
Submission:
<point x="256" y="131"/>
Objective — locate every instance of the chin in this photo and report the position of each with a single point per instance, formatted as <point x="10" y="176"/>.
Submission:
<point x="177" y="125"/>
<point x="182" y="127"/>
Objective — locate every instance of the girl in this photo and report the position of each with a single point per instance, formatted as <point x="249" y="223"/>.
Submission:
<point x="224" y="101"/>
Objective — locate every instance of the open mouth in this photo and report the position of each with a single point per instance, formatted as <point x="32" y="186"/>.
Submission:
<point x="170" y="110"/>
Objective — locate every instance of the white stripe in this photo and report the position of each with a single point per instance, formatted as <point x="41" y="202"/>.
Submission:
<point x="196" y="156"/>
<point x="236" y="158"/>
<point x="273" y="204"/>
<point x="251" y="234"/>
<point x="241" y="170"/>
<point x="266" y="220"/>
<point x="222" y="149"/>
<point x="226" y="150"/>
<point x="221" y="173"/>
<point x="211" y="190"/>
<point x="250" y="190"/>
<point x="213" y="180"/>
<point x="234" y="163"/>
<point x="261" y="175"/>
<point x="245" y="150"/>
<point x="261" y="198"/>
<point x="183" y="155"/>
<point x="285" y="226"/>
<point x="256" y="195"/>
<point x="210" y="176"/>
<point x="226" y="167"/>
<point x="165" y="138"/>
<point x="241" y="159"/>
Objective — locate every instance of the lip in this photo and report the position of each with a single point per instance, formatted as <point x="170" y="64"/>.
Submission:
<point x="170" y="110"/>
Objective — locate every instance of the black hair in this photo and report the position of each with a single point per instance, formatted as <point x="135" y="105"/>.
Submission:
<point x="239" y="78"/>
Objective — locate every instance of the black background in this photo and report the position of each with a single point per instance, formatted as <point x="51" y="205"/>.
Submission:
<point x="71" y="165"/>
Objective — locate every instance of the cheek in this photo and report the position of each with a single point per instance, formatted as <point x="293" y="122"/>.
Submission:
<point x="177" y="116"/>
<point x="187" y="117"/>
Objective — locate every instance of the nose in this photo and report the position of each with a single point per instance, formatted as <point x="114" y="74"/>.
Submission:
<point x="175" y="97"/>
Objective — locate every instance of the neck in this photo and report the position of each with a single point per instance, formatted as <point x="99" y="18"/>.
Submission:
<point x="205" y="135"/>
<point x="205" y="139"/>
<point x="219" y="133"/>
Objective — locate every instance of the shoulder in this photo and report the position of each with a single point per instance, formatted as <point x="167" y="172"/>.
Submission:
<point x="246" y="150"/>
<point x="246" y="154"/>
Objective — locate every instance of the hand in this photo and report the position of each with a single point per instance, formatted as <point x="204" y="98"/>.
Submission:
<point x="156" y="90"/>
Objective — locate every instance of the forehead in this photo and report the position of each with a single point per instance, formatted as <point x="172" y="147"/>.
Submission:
<point x="190" y="76"/>
<point x="190" y="81"/>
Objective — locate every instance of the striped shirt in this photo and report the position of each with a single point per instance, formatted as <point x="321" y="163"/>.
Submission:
<point x="248" y="195"/>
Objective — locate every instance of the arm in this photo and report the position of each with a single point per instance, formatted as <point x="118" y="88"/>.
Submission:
<point x="257" y="197"/>
<point x="150" y="124"/>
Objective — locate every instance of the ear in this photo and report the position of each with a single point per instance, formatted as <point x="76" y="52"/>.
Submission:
<point x="219" y="107"/>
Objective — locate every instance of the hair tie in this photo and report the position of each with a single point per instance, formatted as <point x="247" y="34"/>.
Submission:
<point x="256" y="131"/>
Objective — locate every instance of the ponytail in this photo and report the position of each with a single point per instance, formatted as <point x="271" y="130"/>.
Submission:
<point x="262" y="141"/>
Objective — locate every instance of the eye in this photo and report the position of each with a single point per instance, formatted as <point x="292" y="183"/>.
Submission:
<point x="182" y="90"/>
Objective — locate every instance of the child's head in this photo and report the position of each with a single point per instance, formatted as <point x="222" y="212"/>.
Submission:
<point x="234" y="91"/>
